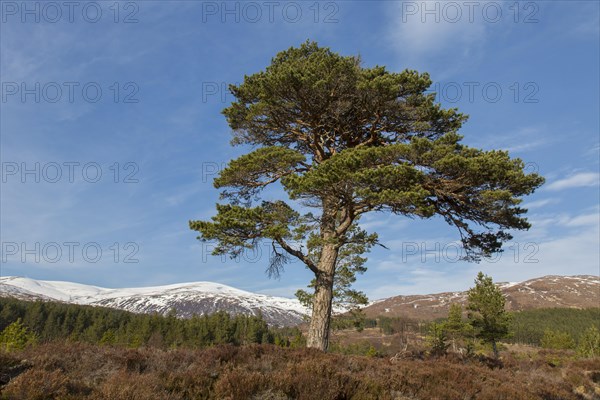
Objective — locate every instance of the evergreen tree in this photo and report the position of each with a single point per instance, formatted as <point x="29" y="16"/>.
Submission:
<point x="35" y="316"/>
<point x="53" y="325"/>
<point x="437" y="339"/>
<point x="349" y="264"/>
<point x="9" y="312"/>
<point x="454" y="326"/>
<point x="108" y="338"/>
<point x="589" y="343"/>
<point x="486" y="311"/>
<point x="16" y="336"/>
<point x="557" y="340"/>
<point x="298" y="340"/>
<point x="347" y="140"/>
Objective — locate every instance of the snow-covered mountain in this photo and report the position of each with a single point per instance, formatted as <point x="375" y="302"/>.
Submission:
<point x="186" y="299"/>
<point x="578" y="291"/>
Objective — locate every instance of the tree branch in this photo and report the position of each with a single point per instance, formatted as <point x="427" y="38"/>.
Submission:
<point x="346" y="222"/>
<point x="299" y="255"/>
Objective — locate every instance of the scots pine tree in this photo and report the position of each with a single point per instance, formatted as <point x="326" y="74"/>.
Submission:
<point x="486" y="311"/>
<point x="454" y="326"/>
<point x="343" y="140"/>
<point x="349" y="263"/>
<point x="437" y="338"/>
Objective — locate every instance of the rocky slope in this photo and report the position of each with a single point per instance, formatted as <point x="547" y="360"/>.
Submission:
<point x="580" y="291"/>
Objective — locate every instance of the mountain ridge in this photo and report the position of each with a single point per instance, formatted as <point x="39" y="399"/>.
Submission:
<point x="186" y="299"/>
<point x="189" y="298"/>
<point x="564" y="291"/>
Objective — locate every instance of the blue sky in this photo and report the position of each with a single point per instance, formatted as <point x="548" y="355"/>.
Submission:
<point x="111" y="131"/>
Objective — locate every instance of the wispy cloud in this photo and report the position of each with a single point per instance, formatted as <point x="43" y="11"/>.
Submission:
<point x="420" y="30"/>
<point x="592" y="152"/>
<point x="581" y="179"/>
<point x="540" y="203"/>
<point x="419" y="35"/>
<point x="520" y="140"/>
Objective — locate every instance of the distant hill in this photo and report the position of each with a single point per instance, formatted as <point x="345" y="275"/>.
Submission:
<point x="186" y="299"/>
<point x="579" y="291"/>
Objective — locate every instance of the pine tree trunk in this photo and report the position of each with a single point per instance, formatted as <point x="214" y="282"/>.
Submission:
<point x="318" y="331"/>
<point x="495" y="348"/>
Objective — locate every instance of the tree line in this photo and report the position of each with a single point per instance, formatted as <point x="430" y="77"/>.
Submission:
<point x="488" y="322"/>
<point x="531" y="326"/>
<point x="527" y="327"/>
<point x="48" y="321"/>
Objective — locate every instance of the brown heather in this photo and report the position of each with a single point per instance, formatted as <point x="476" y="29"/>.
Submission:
<point x="68" y="371"/>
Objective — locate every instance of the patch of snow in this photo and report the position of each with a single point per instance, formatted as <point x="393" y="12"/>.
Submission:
<point x="505" y="285"/>
<point x="148" y="298"/>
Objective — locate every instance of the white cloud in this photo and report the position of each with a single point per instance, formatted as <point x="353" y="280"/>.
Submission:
<point x="421" y="30"/>
<point x="425" y="280"/>
<point x="574" y="254"/>
<point x="567" y="221"/>
<point x="539" y="203"/>
<point x="518" y="141"/>
<point x="582" y="179"/>
<point x="279" y="291"/>
<point x="583" y="220"/>
<point x="375" y="221"/>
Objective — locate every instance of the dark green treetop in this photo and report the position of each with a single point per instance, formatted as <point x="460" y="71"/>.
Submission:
<point x="486" y="311"/>
<point x="364" y="139"/>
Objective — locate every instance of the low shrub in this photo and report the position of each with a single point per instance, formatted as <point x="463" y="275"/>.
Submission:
<point x="73" y="371"/>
